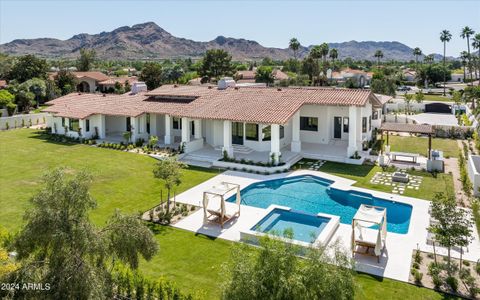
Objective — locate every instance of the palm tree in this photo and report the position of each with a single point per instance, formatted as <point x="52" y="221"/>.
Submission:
<point x="464" y="58"/>
<point x="333" y="54"/>
<point x="445" y="36"/>
<point x="429" y="58"/>
<point x="378" y="55"/>
<point x="476" y="45"/>
<point x="324" y="50"/>
<point x="316" y="54"/>
<point x="465" y="34"/>
<point x="294" y="45"/>
<point x="417" y="52"/>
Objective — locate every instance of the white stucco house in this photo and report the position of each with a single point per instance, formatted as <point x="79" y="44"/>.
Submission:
<point x="253" y="123"/>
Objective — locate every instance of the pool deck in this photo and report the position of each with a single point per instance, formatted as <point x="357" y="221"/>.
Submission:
<point x="396" y="260"/>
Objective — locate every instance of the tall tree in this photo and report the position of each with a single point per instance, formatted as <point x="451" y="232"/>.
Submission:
<point x="445" y="37"/>
<point x="476" y="45"/>
<point x="169" y="170"/>
<point x="216" y="63"/>
<point x="378" y="55"/>
<point x="464" y="58"/>
<point x="65" y="81"/>
<point x="294" y="45"/>
<point x="316" y="54"/>
<point x="333" y="54"/>
<point x="86" y="60"/>
<point x="429" y="59"/>
<point x="264" y="74"/>
<point x="417" y="52"/>
<point x="311" y="68"/>
<point x="28" y="67"/>
<point x="465" y="34"/>
<point x="152" y="75"/>
<point x="324" y="51"/>
<point x="274" y="271"/>
<point x="61" y="246"/>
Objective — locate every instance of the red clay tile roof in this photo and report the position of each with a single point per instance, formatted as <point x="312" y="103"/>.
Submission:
<point x="245" y="75"/>
<point x="279" y="75"/>
<point x="244" y="104"/>
<point x="112" y="80"/>
<point x="98" y="76"/>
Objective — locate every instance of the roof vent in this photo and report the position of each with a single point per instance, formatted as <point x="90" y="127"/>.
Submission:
<point x="138" y="87"/>
<point x="210" y="87"/>
<point x="237" y="88"/>
<point x="225" y="83"/>
<point x="104" y="95"/>
<point x="279" y="90"/>
<point x="175" y="86"/>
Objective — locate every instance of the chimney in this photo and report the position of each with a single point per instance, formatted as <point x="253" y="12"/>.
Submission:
<point x="138" y="87"/>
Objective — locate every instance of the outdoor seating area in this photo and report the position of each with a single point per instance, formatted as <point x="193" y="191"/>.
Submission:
<point x="214" y="208"/>
<point x="398" y="187"/>
<point x="365" y="240"/>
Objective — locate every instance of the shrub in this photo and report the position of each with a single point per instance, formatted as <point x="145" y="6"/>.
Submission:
<point x="416" y="265"/>
<point x="466" y="263"/>
<point x="452" y="283"/>
<point x="477" y="267"/>
<point x="7" y="126"/>
<point x="418" y="277"/>
<point x="418" y="257"/>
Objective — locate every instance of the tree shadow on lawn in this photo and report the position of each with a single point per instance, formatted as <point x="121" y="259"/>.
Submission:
<point x="47" y="138"/>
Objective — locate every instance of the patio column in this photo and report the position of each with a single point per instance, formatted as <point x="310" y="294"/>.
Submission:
<point x="153" y="124"/>
<point x="81" y="124"/>
<point x="185" y="130"/>
<point x="168" y="128"/>
<point x="227" y="138"/>
<point x="134" y="129"/>
<point x="275" y="143"/>
<point x="198" y="128"/>
<point x="296" y="145"/>
<point x="101" y="127"/>
<point x="352" y="131"/>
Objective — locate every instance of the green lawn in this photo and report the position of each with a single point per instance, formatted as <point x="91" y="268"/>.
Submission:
<point x="124" y="180"/>
<point x="420" y="145"/>
<point x="363" y="173"/>
<point x="121" y="180"/>
<point x="436" y="98"/>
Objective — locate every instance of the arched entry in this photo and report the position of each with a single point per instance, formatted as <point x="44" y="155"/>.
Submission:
<point x="83" y="87"/>
<point x="436" y="107"/>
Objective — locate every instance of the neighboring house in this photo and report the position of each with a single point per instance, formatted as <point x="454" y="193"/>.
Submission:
<point x="457" y="77"/>
<point x="359" y="77"/>
<point x="409" y="75"/>
<point x="109" y="84"/>
<point x="378" y="112"/>
<point x="88" y="82"/>
<point x="249" y="76"/>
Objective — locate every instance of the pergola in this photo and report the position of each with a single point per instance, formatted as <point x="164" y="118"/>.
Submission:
<point x="366" y="217"/>
<point x="214" y="208"/>
<point x="409" y="128"/>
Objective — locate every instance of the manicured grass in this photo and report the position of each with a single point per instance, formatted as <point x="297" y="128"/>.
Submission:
<point x="363" y="173"/>
<point x="121" y="180"/>
<point x="419" y="145"/>
<point x="436" y="98"/>
<point x="124" y="180"/>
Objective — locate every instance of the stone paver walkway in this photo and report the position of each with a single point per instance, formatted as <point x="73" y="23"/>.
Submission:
<point x="385" y="178"/>
<point x="311" y="165"/>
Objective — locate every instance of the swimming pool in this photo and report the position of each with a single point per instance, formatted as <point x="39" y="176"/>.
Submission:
<point x="313" y="195"/>
<point x="305" y="227"/>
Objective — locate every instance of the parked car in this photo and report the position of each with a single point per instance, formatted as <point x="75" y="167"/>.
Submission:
<point x="404" y="88"/>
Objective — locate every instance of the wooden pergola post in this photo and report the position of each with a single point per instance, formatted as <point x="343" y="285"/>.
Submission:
<point x="381" y="141"/>
<point x="388" y="133"/>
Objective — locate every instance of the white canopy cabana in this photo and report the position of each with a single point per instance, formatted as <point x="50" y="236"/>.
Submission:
<point x="214" y="208"/>
<point x="368" y="216"/>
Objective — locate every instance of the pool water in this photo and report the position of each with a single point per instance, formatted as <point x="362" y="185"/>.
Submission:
<point x="313" y="195"/>
<point x="305" y="227"/>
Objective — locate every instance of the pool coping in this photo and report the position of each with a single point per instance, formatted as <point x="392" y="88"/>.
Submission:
<point x="322" y="239"/>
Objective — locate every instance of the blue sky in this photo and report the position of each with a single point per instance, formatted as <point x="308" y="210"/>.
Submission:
<point x="271" y="23"/>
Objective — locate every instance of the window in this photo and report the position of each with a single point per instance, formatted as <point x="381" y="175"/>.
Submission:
<point x="63" y="122"/>
<point x="345" y="124"/>
<point x="375" y="115"/>
<point x="369" y="123"/>
<point x="73" y="125"/>
<point x="364" y="124"/>
<point x="282" y="132"/>
<point x="87" y="125"/>
<point x="267" y="133"/>
<point x="309" y="123"/>
<point x="251" y="132"/>
<point x="147" y="121"/>
<point x="177" y="123"/>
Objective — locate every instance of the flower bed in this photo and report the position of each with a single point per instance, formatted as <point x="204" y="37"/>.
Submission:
<point x="176" y="212"/>
<point x="463" y="280"/>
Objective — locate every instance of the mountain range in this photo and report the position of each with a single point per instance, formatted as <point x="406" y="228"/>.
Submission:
<point x="150" y="41"/>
